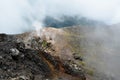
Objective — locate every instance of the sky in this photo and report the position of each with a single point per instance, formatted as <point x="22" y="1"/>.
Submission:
<point x="17" y="16"/>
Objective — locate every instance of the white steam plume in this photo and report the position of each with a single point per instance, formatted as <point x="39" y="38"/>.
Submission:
<point x="102" y="50"/>
<point x="17" y="16"/>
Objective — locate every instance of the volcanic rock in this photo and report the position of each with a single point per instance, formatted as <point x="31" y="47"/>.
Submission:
<point x="18" y="62"/>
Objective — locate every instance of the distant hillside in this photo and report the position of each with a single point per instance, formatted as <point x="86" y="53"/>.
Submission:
<point x="65" y="21"/>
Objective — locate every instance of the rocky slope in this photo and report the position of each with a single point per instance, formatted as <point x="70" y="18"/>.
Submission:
<point x="29" y="57"/>
<point x="74" y="53"/>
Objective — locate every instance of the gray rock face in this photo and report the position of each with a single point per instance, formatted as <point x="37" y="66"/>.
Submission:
<point x="16" y="63"/>
<point x="20" y="63"/>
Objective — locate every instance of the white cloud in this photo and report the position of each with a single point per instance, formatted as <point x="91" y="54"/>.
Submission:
<point x="12" y="12"/>
<point x="96" y="9"/>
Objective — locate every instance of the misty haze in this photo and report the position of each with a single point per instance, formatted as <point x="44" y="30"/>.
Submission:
<point x="82" y="32"/>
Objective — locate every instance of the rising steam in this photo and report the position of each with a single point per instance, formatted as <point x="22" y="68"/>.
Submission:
<point x="17" y="16"/>
<point x="101" y="49"/>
